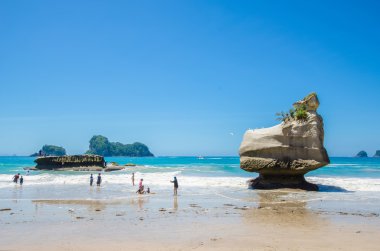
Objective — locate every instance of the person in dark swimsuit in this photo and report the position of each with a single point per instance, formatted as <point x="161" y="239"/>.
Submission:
<point x="175" y="183"/>
<point x="91" y="180"/>
<point x="99" y="180"/>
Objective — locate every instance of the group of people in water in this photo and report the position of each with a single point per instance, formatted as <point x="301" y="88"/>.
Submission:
<point x="141" y="189"/>
<point x="98" y="180"/>
<point x="18" y="178"/>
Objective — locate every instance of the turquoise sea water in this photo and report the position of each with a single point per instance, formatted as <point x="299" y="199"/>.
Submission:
<point x="345" y="183"/>
<point x="362" y="174"/>
<point x="215" y="166"/>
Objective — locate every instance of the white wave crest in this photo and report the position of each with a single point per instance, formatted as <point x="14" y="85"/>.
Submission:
<point x="151" y="179"/>
<point x="162" y="180"/>
<point x="349" y="184"/>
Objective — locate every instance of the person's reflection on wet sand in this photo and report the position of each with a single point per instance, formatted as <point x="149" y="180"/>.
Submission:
<point x="175" y="203"/>
<point x="140" y="203"/>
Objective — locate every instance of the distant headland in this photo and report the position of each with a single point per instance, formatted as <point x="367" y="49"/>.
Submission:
<point x="50" y="150"/>
<point x="364" y="154"/>
<point x="99" y="145"/>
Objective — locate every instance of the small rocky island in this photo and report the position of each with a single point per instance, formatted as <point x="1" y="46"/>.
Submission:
<point x="50" y="150"/>
<point x="362" y="154"/>
<point x="377" y="154"/>
<point x="100" y="145"/>
<point x="284" y="153"/>
<point x="71" y="162"/>
<point x="88" y="162"/>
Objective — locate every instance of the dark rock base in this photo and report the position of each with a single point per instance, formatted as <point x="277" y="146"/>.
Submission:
<point x="71" y="162"/>
<point x="267" y="182"/>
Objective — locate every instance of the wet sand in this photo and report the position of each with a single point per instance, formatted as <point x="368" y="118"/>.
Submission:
<point x="203" y="222"/>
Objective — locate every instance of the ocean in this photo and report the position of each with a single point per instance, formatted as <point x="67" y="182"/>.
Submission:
<point x="349" y="174"/>
<point x="344" y="179"/>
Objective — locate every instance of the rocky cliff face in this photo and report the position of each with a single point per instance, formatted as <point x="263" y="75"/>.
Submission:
<point x="377" y="154"/>
<point x="71" y="162"/>
<point x="282" y="154"/>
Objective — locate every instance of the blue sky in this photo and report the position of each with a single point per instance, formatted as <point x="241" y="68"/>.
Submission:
<point x="183" y="76"/>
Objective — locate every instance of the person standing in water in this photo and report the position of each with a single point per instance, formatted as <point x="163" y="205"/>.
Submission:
<point x="133" y="179"/>
<point x="21" y="180"/>
<point x="91" y="180"/>
<point x="99" y="180"/>
<point x="175" y="182"/>
<point x="16" y="177"/>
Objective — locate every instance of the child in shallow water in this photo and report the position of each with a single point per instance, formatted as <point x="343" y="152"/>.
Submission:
<point x="141" y="190"/>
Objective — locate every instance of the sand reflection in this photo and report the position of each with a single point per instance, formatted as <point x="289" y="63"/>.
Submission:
<point x="175" y="203"/>
<point x="282" y="208"/>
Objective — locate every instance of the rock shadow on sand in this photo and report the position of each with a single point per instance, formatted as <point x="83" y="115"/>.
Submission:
<point x="332" y="189"/>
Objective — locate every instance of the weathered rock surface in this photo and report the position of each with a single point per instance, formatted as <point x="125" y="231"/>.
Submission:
<point x="114" y="168"/>
<point x="377" y="154"/>
<point x="71" y="162"/>
<point x="282" y="154"/>
<point x="362" y="154"/>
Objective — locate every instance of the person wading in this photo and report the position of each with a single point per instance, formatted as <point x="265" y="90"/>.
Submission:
<point x="175" y="183"/>
<point x="99" y="180"/>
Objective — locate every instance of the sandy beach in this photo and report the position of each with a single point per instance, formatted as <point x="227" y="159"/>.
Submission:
<point x="262" y="115"/>
<point x="267" y="220"/>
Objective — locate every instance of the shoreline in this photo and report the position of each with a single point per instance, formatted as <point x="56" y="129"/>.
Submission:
<point x="186" y="222"/>
<point x="214" y="209"/>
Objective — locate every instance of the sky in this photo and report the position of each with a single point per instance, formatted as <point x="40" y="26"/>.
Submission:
<point x="185" y="77"/>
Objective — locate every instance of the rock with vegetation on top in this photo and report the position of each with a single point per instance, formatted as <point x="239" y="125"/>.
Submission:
<point x="71" y="162"/>
<point x="377" y="154"/>
<point x="50" y="150"/>
<point x="362" y="154"/>
<point x="101" y="146"/>
<point x="284" y="153"/>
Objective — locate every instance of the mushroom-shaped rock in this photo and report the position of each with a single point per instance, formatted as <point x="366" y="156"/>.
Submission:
<point x="282" y="154"/>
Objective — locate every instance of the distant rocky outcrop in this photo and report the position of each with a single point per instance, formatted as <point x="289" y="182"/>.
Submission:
<point x="282" y="154"/>
<point x="377" y="154"/>
<point x="71" y="162"/>
<point x="50" y="150"/>
<point x="101" y="146"/>
<point x="362" y="154"/>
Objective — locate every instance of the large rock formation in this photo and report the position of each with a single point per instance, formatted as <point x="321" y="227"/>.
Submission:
<point x="71" y="162"/>
<point x="377" y="154"/>
<point x="282" y="154"/>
